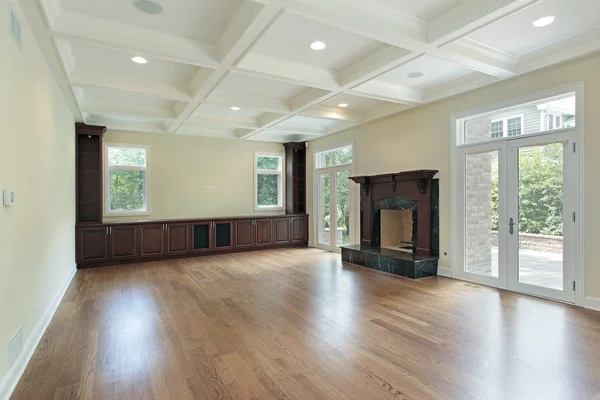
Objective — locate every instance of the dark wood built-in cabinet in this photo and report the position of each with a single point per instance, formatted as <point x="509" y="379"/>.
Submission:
<point x="295" y="175"/>
<point x="125" y="242"/>
<point x="88" y="173"/>
<point x="100" y="243"/>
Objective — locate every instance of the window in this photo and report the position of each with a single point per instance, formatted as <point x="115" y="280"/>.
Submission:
<point x="268" y="188"/>
<point x="512" y="126"/>
<point x="126" y="179"/>
<point x="334" y="157"/>
<point x="517" y="118"/>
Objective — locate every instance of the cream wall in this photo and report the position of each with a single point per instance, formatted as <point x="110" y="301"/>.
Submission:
<point x="37" y="250"/>
<point x="421" y="139"/>
<point x="180" y="167"/>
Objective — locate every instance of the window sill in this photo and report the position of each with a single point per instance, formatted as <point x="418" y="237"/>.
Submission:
<point x="126" y="214"/>
<point x="265" y="209"/>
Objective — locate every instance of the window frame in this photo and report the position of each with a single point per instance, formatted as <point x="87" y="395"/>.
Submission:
<point x="318" y="153"/>
<point x="505" y="125"/>
<point x="106" y="180"/>
<point x="281" y="172"/>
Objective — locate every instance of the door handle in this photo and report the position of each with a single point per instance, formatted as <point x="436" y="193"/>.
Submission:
<point x="511" y="226"/>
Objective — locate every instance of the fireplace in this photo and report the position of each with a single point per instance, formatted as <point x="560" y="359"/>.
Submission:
<point x="399" y="224"/>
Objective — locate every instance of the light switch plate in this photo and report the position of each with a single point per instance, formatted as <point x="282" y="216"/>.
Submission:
<point x="9" y="198"/>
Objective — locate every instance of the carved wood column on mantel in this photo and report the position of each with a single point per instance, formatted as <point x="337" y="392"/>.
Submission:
<point x="411" y="185"/>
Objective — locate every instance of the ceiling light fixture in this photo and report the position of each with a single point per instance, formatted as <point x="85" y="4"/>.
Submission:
<point x="343" y="105"/>
<point x="234" y="108"/>
<point x="415" y="75"/>
<point x="544" y="21"/>
<point x="318" y="46"/>
<point x="148" y="7"/>
<point x="139" y="60"/>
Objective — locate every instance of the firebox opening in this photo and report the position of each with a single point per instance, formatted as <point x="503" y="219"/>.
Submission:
<point x="397" y="230"/>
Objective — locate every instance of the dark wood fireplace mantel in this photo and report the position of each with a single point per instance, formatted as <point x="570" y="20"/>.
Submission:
<point x="410" y="185"/>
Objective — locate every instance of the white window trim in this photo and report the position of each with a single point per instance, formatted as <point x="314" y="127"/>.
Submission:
<point x="106" y="181"/>
<point x="330" y="150"/>
<point x="505" y="124"/>
<point x="455" y="143"/>
<point x="281" y="172"/>
<point x="354" y="194"/>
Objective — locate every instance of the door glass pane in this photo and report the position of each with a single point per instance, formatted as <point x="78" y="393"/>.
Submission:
<point x="540" y="224"/>
<point x="342" y="198"/>
<point x="324" y="209"/>
<point x="481" y="214"/>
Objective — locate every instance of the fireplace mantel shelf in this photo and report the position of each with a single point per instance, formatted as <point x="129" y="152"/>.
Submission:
<point x="397" y="177"/>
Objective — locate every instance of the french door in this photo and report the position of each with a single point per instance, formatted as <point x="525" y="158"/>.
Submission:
<point x="518" y="208"/>
<point x="334" y="197"/>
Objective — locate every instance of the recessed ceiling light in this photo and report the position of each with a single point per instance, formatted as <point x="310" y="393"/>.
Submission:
<point x="148" y="6"/>
<point x="234" y="108"/>
<point x="139" y="60"/>
<point x="415" y="75"/>
<point x="318" y="46"/>
<point x="545" y="21"/>
<point x="343" y="105"/>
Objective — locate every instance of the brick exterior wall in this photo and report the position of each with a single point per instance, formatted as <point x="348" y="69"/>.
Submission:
<point x="478" y="216"/>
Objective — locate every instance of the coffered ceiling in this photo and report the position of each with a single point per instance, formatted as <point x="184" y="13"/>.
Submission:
<point x="244" y="69"/>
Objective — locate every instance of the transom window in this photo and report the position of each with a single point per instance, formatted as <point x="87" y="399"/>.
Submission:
<point x="527" y="118"/>
<point x="268" y="188"/>
<point x="126" y="179"/>
<point x="334" y="157"/>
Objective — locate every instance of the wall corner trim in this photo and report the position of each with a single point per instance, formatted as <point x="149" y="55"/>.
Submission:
<point x="447" y="272"/>
<point x="10" y="381"/>
<point x="593" y="303"/>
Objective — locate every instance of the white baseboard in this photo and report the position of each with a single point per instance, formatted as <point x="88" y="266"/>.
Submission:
<point x="445" y="272"/>
<point x="8" y="384"/>
<point x="592" y="303"/>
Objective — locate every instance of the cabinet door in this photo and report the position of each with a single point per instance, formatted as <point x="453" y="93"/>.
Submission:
<point x="282" y="230"/>
<point x="92" y="244"/>
<point x="264" y="232"/>
<point x="299" y="231"/>
<point x="123" y="241"/>
<point x="243" y="233"/>
<point x="202" y="236"/>
<point x="152" y="240"/>
<point x="177" y="238"/>
<point x="223" y="235"/>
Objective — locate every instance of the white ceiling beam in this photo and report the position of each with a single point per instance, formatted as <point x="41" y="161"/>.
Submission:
<point x="221" y="121"/>
<point x="335" y="113"/>
<point x="480" y="57"/>
<point x="248" y="27"/>
<point x="390" y="92"/>
<point x="459" y="85"/>
<point x="99" y="79"/>
<point x="567" y="50"/>
<point x="385" y="110"/>
<point x="123" y="125"/>
<point x="469" y="16"/>
<point x="94" y="31"/>
<point x="146" y="113"/>
<point x="309" y="98"/>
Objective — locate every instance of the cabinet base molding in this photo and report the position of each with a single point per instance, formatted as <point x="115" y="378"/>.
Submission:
<point x="187" y="255"/>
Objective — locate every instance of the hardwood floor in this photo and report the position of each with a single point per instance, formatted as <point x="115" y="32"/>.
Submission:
<point x="298" y="324"/>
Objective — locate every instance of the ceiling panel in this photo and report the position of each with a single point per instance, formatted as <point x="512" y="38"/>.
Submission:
<point x="424" y="9"/>
<point x="119" y="98"/>
<point x="435" y="72"/>
<point x="354" y="102"/>
<point x="309" y="122"/>
<point x="108" y="60"/>
<point x="516" y="34"/>
<point x="226" y="111"/>
<point x="203" y="20"/>
<point x="259" y="87"/>
<point x="290" y="38"/>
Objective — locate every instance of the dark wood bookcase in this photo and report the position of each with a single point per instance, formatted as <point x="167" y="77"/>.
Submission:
<point x="88" y="167"/>
<point x="295" y="175"/>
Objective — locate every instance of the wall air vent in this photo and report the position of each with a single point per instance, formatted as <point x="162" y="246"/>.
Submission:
<point x="14" y="27"/>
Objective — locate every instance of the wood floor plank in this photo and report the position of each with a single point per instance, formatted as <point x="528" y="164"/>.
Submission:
<point x="299" y="324"/>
